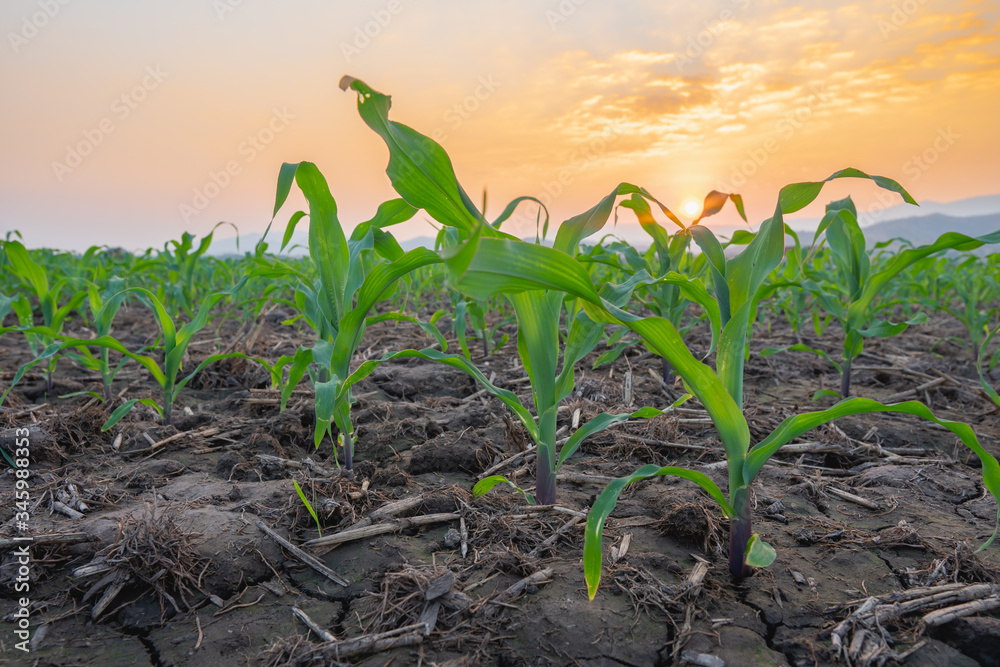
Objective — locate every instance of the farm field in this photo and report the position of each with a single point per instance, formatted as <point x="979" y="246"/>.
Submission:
<point x="764" y="449"/>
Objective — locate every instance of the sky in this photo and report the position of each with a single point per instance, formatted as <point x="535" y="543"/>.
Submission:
<point x="127" y="124"/>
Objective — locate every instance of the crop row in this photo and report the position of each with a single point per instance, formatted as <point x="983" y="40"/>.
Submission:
<point x="567" y="297"/>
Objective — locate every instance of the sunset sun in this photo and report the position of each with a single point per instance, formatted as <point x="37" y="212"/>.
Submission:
<point x="691" y="207"/>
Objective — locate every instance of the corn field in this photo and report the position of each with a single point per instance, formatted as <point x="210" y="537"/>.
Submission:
<point x="763" y="448"/>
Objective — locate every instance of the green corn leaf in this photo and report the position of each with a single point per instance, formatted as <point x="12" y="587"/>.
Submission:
<point x="126" y="408"/>
<point x="584" y="335"/>
<point x="108" y="304"/>
<point x="512" y="206"/>
<point x="579" y="227"/>
<point x="758" y="552"/>
<point x="487" y="484"/>
<point x="389" y="213"/>
<point x="60" y="314"/>
<point x="604" y="420"/>
<point x="640" y="207"/>
<point x="716" y="256"/>
<point x="427" y="327"/>
<point x="797" y="196"/>
<point x="607" y="357"/>
<point x="826" y="393"/>
<point x="290" y="229"/>
<point x="300" y="362"/>
<point x="359" y="252"/>
<point x="378" y="282"/>
<point x="419" y="168"/>
<point x="793" y="427"/>
<point x="286" y="176"/>
<point x="886" y="329"/>
<point x="800" y="347"/>
<point x="47" y="354"/>
<point x="326" y="404"/>
<point x="74" y="394"/>
<point x="741" y="237"/>
<point x="605" y="504"/>
<point x="538" y="330"/>
<point x="27" y="268"/>
<point x="327" y="243"/>
<point x="305" y="501"/>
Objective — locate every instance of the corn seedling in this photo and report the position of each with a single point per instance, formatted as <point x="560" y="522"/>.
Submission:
<point x="354" y="275"/>
<point x="175" y="341"/>
<point x="53" y="315"/>
<point x="309" y="507"/>
<point x="853" y="295"/>
<point x="103" y="307"/>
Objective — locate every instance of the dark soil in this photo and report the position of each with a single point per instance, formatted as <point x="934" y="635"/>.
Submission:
<point x="227" y="590"/>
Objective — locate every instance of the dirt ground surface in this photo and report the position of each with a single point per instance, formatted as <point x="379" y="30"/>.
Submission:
<point x="162" y="545"/>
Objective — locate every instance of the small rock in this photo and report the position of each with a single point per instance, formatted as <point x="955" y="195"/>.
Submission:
<point x="452" y="538"/>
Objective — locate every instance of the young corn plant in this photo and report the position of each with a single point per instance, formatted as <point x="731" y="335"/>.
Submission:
<point x="973" y="284"/>
<point x="182" y="260"/>
<point x="103" y="308"/>
<point x="497" y="265"/>
<point x="853" y="299"/>
<point x="853" y="295"/>
<point x="354" y="275"/>
<point x="175" y="342"/>
<point x="53" y="315"/>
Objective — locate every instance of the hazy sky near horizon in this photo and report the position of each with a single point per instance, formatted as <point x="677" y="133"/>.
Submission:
<point x="127" y="123"/>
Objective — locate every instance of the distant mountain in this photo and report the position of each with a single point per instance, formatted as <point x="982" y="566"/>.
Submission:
<point x="247" y="242"/>
<point x="925" y="229"/>
<point x="963" y="208"/>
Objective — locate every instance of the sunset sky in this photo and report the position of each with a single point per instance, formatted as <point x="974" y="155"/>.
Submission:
<point x="116" y="115"/>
